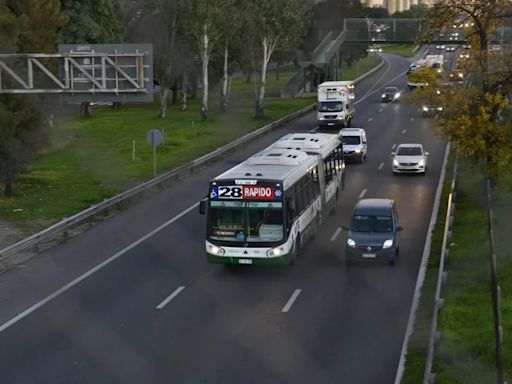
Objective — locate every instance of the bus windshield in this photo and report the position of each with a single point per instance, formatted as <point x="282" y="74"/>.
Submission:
<point x="246" y="221"/>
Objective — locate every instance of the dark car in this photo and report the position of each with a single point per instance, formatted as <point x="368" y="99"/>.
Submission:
<point x="374" y="233"/>
<point x="390" y="94"/>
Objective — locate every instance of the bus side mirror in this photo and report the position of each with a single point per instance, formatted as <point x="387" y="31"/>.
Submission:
<point x="202" y="206"/>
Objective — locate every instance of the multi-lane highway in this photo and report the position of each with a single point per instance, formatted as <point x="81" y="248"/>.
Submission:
<point x="133" y="300"/>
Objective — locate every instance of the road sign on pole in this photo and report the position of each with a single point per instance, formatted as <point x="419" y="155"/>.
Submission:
<point x="155" y="138"/>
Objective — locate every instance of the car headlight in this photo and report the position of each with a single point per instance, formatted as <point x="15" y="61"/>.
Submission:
<point x="387" y="244"/>
<point x="357" y="150"/>
<point x="396" y="163"/>
<point x="351" y="243"/>
<point x="439" y="108"/>
<point x="216" y="250"/>
<point x="383" y="95"/>
<point x="421" y="163"/>
<point x="425" y="108"/>
<point x="461" y="75"/>
<point x="397" y="95"/>
<point x="275" y="252"/>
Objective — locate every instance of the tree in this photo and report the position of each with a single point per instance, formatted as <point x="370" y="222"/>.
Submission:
<point x="471" y="116"/>
<point x="91" y="22"/>
<point x="202" y="19"/>
<point x="232" y="30"/>
<point x="27" y="26"/>
<point x="276" y="24"/>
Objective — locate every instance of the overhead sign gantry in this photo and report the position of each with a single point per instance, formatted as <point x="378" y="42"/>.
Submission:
<point x="84" y="72"/>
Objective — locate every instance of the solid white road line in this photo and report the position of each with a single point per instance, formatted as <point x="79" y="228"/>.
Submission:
<point x="71" y="284"/>
<point x="423" y="269"/>
<point x="292" y="299"/>
<point x="336" y="233"/>
<point x="363" y="192"/>
<point x="403" y="131"/>
<point x="370" y="119"/>
<point x="171" y="296"/>
<point x="380" y="166"/>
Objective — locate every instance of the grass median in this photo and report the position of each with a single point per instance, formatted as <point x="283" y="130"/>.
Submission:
<point x="466" y="353"/>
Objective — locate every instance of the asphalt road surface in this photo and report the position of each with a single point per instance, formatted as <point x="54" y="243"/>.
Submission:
<point x="123" y="304"/>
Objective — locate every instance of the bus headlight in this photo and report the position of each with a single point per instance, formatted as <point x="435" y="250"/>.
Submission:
<point x="216" y="250"/>
<point x="351" y="243"/>
<point x="387" y="244"/>
<point x="275" y="252"/>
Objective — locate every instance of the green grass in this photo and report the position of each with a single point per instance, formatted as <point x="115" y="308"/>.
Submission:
<point x="406" y="50"/>
<point x="466" y="352"/>
<point x="91" y="159"/>
<point x="360" y="67"/>
<point x="418" y="342"/>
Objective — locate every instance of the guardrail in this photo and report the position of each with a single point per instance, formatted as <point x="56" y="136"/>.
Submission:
<point x="435" y="335"/>
<point x="66" y="224"/>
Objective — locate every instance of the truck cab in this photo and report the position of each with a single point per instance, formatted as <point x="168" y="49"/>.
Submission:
<point x="335" y="107"/>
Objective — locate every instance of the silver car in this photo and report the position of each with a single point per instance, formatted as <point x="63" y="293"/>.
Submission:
<point x="409" y="158"/>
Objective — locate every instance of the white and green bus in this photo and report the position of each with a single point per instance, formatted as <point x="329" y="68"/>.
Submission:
<point x="261" y="211"/>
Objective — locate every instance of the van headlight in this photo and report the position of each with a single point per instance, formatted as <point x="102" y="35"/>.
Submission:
<point x="351" y="243"/>
<point x="275" y="252"/>
<point x="425" y="108"/>
<point x="383" y="95"/>
<point x="216" y="250"/>
<point x="396" y="163"/>
<point x="387" y="244"/>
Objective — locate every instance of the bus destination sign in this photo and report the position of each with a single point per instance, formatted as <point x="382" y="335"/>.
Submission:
<point x="245" y="192"/>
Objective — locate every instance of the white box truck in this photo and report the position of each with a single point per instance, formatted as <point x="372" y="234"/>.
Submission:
<point x="335" y="107"/>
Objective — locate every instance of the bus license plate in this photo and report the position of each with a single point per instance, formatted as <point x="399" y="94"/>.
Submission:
<point x="369" y="255"/>
<point x="244" y="261"/>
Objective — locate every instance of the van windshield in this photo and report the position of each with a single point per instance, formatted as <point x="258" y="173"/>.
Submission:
<point x="330" y="106"/>
<point x="351" y="140"/>
<point x="372" y="223"/>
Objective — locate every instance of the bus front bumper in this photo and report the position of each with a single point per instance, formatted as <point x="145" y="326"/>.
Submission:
<point x="280" y="260"/>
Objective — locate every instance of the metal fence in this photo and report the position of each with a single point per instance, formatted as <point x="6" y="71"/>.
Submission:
<point x="495" y="289"/>
<point x="435" y="335"/>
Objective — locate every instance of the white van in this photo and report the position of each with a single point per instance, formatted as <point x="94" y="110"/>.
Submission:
<point x="355" y="145"/>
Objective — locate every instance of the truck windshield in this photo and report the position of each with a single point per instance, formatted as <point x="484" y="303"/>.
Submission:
<point x="330" y="106"/>
<point x="246" y="221"/>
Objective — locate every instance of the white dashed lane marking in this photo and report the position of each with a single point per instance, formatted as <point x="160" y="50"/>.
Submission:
<point x="292" y="299"/>
<point x="336" y="233"/>
<point x="363" y="192"/>
<point x="380" y="166"/>
<point x="370" y="119"/>
<point x="170" y="297"/>
<point x="403" y="132"/>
